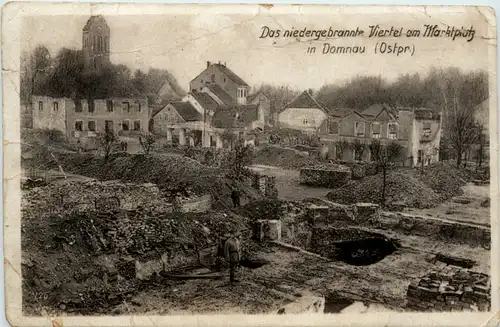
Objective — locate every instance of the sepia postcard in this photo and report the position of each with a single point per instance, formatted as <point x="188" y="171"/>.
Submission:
<point x="245" y="164"/>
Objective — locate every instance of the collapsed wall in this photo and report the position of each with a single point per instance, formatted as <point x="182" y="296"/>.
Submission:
<point x="452" y="289"/>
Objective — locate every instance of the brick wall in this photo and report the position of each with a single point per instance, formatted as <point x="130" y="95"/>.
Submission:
<point x="452" y="289"/>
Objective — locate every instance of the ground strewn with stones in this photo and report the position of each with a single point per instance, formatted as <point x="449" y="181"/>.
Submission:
<point x="137" y="235"/>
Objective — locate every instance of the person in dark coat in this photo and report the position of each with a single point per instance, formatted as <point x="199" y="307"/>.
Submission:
<point x="220" y="253"/>
<point x="235" y="196"/>
<point x="232" y="253"/>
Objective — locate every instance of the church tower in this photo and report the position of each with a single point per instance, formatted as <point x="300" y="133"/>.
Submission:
<point x="95" y="40"/>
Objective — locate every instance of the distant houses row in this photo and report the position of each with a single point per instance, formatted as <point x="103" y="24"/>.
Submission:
<point x="219" y="103"/>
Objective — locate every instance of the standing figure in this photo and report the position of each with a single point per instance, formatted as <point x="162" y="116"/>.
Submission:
<point x="235" y="196"/>
<point x="220" y="253"/>
<point x="232" y="252"/>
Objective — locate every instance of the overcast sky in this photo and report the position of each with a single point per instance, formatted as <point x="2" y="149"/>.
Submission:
<point x="183" y="43"/>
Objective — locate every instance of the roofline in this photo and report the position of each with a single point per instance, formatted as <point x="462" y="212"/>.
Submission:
<point x="342" y="116"/>
<point x="322" y="108"/>
<point x="246" y="84"/>
<point x="355" y="112"/>
<point x="160" y="109"/>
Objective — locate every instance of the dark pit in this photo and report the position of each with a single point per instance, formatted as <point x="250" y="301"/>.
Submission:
<point x="253" y="264"/>
<point x="335" y="304"/>
<point x="364" y="252"/>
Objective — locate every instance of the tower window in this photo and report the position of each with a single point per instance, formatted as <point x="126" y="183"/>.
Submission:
<point x="212" y="78"/>
<point x="40" y="105"/>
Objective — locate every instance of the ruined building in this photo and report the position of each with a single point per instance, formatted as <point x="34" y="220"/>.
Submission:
<point x="417" y="130"/>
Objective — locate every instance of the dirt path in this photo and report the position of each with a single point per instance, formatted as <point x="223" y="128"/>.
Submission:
<point x="467" y="208"/>
<point x="287" y="183"/>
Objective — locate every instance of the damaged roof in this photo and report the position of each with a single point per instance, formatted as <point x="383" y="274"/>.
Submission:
<point x="236" y="116"/>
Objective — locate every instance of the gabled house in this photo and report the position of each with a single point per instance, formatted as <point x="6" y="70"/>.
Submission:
<point x="219" y="74"/>
<point x="220" y="106"/>
<point x="417" y="130"/>
<point x="177" y="120"/>
<point x="303" y="113"/>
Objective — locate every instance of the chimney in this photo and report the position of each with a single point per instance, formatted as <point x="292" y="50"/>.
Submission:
<point x="224" y="64"/>
<point x="219" y="62"/>
<point x="208" y="63"/>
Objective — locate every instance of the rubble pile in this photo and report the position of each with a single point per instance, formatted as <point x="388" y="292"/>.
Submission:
<point x="406" y="187"/>
<point x="207" y="156"/>
<point x="326" y="175"/>
<point x="452" y="289"/>
<point x="282" y="157"/>
<point x="446" y="181"/>
<point x="400" y="188"/>
<point x="155" y="168"/>
<point x="172" y="173"/>
<point x="92" y="195"/>
<point x="74" y="241"/>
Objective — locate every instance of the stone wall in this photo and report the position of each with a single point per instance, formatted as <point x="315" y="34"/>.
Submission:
<point x="452" y="289"/>
<point x="267" y="230"/>
<point x="325" y="176"/>
<point x="197" y="204"/>
<point x="447" y="231"/>
<point x="266" y="185"/>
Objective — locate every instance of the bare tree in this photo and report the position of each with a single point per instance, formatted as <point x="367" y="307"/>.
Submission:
<point x="107" y="142"/>
<point x="228" y="137"/>
<point x="385" y="157"/>
<point x="341" y="146"/>
<point x="32" y="65"/>
<point x="358" y="148"/>
<point x="462" y="130"/>
<point x="481" y="140"/>
<point x="147" y="141"/>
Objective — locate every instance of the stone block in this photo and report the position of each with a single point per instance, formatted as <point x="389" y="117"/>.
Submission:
<point x="367" y="211"/>
<point x="267" y="230"/>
